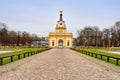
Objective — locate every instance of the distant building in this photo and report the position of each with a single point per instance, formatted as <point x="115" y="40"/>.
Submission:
<point x="42" y="42"/>
<point x="60" y="38"/>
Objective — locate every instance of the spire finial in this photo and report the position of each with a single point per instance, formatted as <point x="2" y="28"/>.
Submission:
<point x="61" y="15"/>
<point x="61" y="11"/>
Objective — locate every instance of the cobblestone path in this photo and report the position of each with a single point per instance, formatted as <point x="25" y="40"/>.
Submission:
<point x="59" y="64"/>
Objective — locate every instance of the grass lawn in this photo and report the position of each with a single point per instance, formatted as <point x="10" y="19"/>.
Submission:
<point x="100" y="51"/>
<point x="20" y="51"/>
<point x="9" y="48"/>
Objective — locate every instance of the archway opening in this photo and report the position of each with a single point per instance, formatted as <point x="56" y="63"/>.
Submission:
<point x="60" y="43"/>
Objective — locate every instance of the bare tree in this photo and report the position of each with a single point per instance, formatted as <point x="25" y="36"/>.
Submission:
<point x="4" y="34"/>
<point x="96" y="35"/>
<point x="106" y="37"/>
<point x="18" y="38"/>
<point x="12" y="38"/>
<point x="25" y="38"/>
<point x="15" y="38"/>
<point x="117" y="28"/>
<point x="90" y="36"/>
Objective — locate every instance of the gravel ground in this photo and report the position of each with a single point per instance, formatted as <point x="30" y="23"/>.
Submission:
<point x="114" y="52"/>
<point x="59" y="64"/>
<point x="1" y="52"/>
<point x="7" y="51"/>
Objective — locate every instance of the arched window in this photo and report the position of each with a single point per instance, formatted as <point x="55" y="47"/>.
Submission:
<point x="52" y="42"/>
<point x="68" y="43"/>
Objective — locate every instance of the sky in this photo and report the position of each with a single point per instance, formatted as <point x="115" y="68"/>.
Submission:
<point x="40" y="16"/>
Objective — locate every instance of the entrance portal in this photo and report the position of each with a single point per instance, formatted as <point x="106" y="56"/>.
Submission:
<point x="60" y="43"/>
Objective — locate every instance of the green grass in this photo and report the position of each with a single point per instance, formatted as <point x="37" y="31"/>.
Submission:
<point x="99" y="51"/>
<point x="18" y="51"/>
<point x="9" y="48"/>
<point x="8" y="60"/>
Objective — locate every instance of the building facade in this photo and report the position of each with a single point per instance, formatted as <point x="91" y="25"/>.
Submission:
<point x="60" y="38"/>
<point x="41" y="42"/>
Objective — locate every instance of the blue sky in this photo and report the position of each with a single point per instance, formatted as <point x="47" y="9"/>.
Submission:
<point x="40" y="16"/>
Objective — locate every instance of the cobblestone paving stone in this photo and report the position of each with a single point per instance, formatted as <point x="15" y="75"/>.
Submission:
<point x="59" y="64"/>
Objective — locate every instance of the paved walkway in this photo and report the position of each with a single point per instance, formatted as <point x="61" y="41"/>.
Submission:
<point x="59" y="64"/>
<point x="7" y="51"/>
<point x="114" y="52"/>
<point x="3" y="51"/>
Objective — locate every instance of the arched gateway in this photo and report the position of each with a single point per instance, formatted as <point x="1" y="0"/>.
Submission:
<point x="60" y="38"/>
<point x="60" y="43"/>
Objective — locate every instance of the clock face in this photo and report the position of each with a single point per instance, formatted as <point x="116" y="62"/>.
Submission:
<point x="60" y="23"/>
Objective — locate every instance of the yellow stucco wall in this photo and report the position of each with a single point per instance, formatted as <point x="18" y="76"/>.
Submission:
<point x="58" y="35"/>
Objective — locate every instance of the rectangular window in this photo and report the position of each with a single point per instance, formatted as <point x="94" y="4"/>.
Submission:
<point x="52" y="42"/>
<point x="68" y="43"/>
